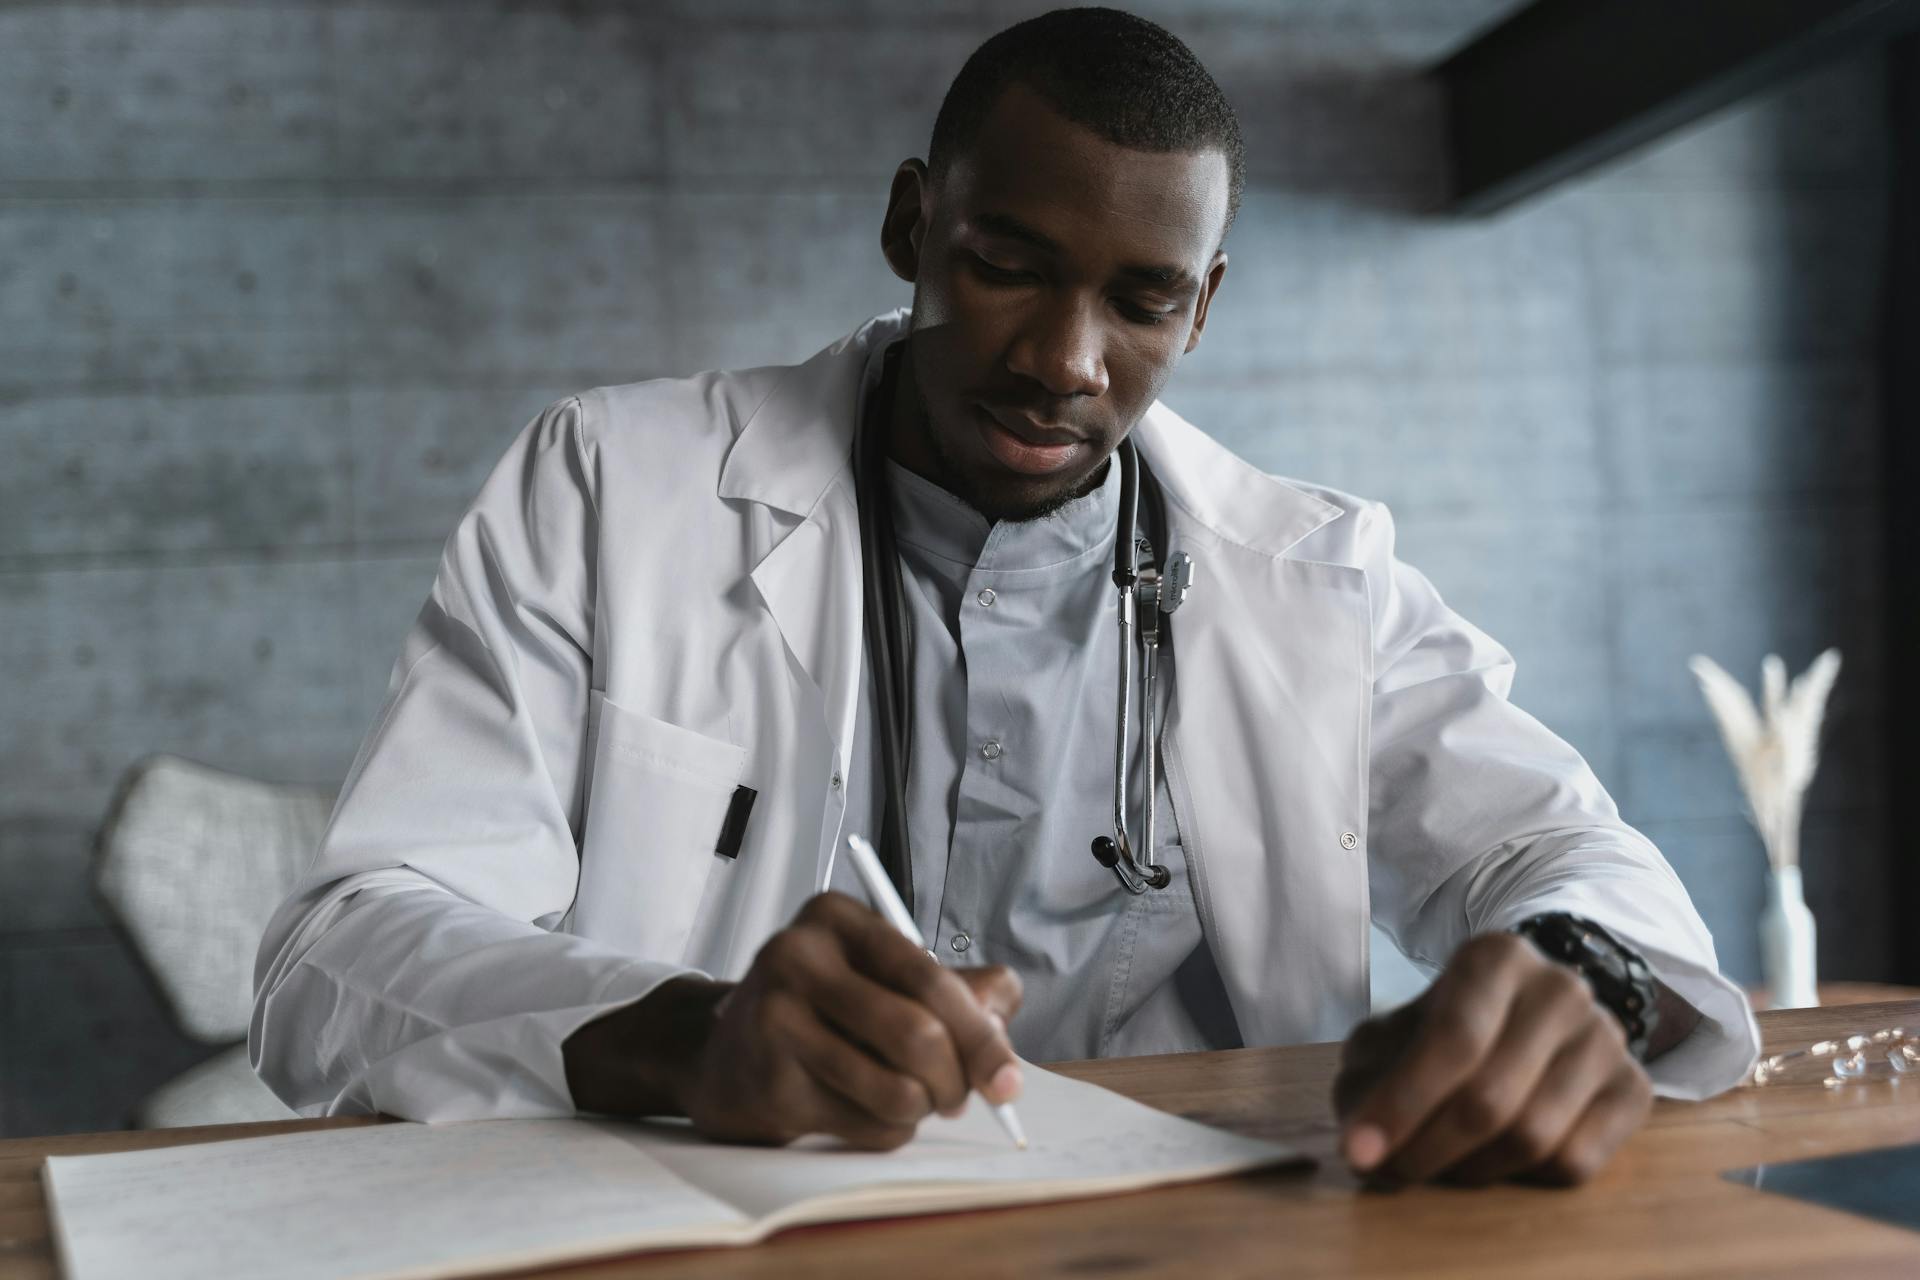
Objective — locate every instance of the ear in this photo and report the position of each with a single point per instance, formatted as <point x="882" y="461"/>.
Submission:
<point x="909" y="206"/>
<point x="1208" y="287"/>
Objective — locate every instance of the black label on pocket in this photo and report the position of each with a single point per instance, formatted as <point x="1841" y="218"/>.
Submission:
<point x="734" y="829"/>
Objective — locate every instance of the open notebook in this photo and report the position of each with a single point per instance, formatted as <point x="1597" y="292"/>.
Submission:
<point x="411" y="1200"/>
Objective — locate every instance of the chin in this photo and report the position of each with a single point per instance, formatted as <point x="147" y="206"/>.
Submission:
<point x="989" y="488"/>
<point x="1017" y="498"/>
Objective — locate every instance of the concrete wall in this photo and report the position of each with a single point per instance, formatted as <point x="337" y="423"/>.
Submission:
<point x="278" y="282"/>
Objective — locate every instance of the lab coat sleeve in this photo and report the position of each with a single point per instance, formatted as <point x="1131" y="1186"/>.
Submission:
<point x="415" y="970"/>
<point x="1481" y="817"/>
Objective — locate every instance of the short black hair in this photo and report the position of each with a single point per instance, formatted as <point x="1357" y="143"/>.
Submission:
<point x="1129" y="80"/>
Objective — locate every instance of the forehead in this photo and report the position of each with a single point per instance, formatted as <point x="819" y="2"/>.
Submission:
<point x="1091" y="195"/>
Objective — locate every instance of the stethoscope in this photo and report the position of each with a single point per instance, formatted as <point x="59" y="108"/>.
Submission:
<point x="1150" y="595"/>
<point x="1147" y="596"/>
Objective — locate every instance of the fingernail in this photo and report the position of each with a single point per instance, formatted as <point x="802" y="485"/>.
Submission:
<point x="1366" y="1146"/>
<point x="999" y="1023"/>
<point x="1005" y="1085"/>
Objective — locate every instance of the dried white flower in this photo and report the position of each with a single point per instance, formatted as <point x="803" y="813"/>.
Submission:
<point x="1774" y="752"/>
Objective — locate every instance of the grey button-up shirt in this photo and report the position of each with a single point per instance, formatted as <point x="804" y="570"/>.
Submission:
<point x="1014" y="671"/>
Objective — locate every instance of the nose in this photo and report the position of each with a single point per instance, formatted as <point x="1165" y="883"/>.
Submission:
<point x="1060" y="348"/>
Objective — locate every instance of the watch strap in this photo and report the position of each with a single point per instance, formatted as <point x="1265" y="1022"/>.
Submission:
<point x="1620" y="978"/>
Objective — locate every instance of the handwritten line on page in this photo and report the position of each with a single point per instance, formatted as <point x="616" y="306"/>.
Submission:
<point x="411" y="1201"/>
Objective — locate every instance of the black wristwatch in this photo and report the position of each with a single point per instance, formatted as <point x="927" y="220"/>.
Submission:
<point x="1619" y="976"/>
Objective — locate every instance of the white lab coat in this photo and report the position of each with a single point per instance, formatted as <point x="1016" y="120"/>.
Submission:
<point x="657" y="597"/>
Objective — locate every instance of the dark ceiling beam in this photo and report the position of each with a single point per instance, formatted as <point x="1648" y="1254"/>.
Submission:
<point x="1564" y="85"/>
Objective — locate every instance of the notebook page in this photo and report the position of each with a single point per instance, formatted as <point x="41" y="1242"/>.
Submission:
<point x="395" y="1200"/>
<point x="1083" y="1140"/>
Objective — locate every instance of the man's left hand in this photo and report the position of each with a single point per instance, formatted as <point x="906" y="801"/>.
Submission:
<point x="1505" y="1067"/>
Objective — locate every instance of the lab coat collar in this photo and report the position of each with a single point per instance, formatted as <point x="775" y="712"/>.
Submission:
<point x="1223" y="493"/>
<point x="799" y="440"/>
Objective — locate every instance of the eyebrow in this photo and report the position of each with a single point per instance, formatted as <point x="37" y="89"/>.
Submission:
<point x="1008" y="227"/>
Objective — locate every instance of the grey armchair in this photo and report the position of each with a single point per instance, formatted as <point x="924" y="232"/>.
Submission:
<point x="191" y="862"/>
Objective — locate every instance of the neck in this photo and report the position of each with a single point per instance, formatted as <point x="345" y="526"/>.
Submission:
<point x="907" y="422"/>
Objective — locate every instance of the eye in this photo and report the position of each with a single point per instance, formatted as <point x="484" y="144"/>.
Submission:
<point x="1137" y="314"/>
<point x="998" y="274"/>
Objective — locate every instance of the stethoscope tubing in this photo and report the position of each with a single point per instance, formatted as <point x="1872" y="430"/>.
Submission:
<point x="1135" y="873"/>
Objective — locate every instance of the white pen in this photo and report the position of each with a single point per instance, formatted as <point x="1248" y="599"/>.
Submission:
<point x="880" y="888"/>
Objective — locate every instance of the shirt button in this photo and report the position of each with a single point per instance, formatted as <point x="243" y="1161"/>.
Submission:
<point x="1348" y="840"/>
<point x="960" y="942"/>
<point x="990" y="749"/>
<point x="986" y="597"/>
<point x="836" y="782"/>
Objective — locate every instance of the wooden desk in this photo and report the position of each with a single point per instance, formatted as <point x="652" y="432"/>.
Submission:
<point x="1661" y="1208"/>
<point x="1833" y="993"/>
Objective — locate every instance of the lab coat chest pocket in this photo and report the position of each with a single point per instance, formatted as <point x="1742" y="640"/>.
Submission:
<point x="657" y="802"/>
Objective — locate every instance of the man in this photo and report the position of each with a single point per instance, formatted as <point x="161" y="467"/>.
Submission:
<point x="579" y="862"/>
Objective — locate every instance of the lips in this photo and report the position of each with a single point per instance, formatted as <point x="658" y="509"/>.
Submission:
<point x="1019" y="445"/>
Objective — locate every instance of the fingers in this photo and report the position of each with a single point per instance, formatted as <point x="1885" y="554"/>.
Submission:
<point x="842" y="1026"/>
<point x="854" y="1098"/>
<point x="810" y="963"/>
<point x="975" y="1029"/>
<point x="841" y="1118"/>
<point x="1506" y="1067"/>
<point x="900" y="1032"/>
<point x="1551" y="1007"/>
<point x="1583" y="1070"/>
<point x="1369" y="1050"/>
<point x="889" y="1030"/>
<point x="1615" y="1115"/>
<point x="1460" y="1020"/>
<point x="996" y="989"/>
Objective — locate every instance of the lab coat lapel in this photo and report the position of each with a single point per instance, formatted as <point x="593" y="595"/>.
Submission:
<point x="810" y="584"/>
<point x="1267" y="738"/>
<point x="793" y="457"/>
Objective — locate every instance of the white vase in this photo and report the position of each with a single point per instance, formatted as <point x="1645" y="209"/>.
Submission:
<point x="1786" y="943"/>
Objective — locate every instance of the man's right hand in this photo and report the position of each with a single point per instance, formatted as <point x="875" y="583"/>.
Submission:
<point x="841" y="1026"/>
